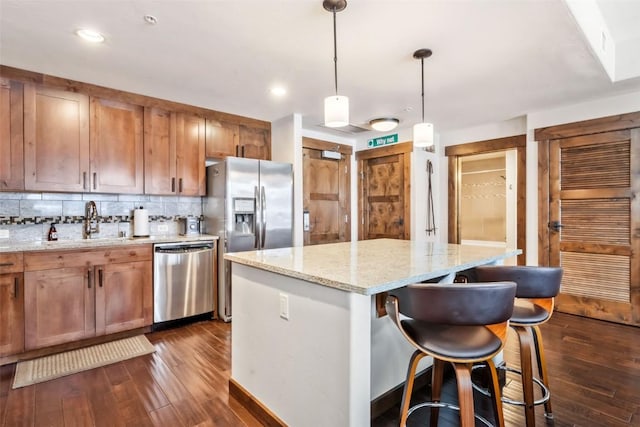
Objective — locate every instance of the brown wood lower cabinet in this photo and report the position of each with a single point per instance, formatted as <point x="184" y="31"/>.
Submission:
<point x="11" y="304"/>
<point x="72" y="295"/>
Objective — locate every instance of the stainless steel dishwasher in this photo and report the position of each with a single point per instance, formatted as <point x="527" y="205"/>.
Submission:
<point x="183" y="276"/>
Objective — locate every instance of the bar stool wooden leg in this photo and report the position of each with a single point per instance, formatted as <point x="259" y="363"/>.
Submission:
<point x="437" y="375"/>
<point x="408" y="386"/>
<point x="465" y="394"/>
<point x="496" y="394"/>
<point x="542" y="368"/>
<point x="526" y="342"/>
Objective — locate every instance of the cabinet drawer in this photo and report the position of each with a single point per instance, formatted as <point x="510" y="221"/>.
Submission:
<point x="11" y="262"/>
<point x="45" y="260"/>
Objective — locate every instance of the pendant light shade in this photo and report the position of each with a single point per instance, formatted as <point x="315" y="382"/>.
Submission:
<point x="423" y="135"/>
<point x="336" y="107"/>
<point x="336" y="111"/>
<point x="423" y="132"/>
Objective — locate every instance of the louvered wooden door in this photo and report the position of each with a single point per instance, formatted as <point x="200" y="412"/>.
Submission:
<point x="595" y="224"/>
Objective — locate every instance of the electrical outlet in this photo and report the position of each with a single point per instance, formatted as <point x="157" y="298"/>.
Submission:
<point x="4" y="234"/>
<point x="284" y="306"/>
<point x="163" y="228"/>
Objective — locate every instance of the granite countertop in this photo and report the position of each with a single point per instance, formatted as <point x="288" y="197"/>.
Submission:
<point x="371" y="266"/>
<point x="97" y="243"/>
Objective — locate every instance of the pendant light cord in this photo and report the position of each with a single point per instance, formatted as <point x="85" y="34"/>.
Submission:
<point x="422" y="63"/>
<point x="335" y="53"/>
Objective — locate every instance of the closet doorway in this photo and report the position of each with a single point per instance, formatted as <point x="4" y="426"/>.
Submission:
<point x="487" y="193"/>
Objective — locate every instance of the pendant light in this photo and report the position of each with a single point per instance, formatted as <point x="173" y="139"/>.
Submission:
<point x="423" y="132"/>
<point x="336" y="107"/>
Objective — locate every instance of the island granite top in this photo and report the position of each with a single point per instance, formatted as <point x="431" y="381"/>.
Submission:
<point x="371" y="266"/>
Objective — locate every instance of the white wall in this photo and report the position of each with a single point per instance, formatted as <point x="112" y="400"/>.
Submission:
<point x="525" y="124"/>
<point x="597" y="108"/>
<point x="286" y="146"/>
<point x="419" y="186"/>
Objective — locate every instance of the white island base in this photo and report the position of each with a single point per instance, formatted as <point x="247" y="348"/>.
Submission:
<point x="325" y="364"/>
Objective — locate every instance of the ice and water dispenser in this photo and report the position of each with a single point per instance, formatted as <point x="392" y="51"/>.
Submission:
<point x="244" y="215"/>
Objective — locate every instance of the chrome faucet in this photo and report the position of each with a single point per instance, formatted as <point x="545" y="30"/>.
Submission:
<point x="91" y="225"/>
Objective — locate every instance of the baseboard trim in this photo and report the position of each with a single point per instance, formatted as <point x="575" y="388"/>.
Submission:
<point x="386" y="401"/>
<point x="254" y="406"/>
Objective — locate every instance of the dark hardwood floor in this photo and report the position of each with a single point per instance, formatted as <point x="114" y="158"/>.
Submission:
<point x="594" y="365"/>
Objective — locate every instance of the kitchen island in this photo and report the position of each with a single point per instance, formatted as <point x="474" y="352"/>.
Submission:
<point x="307" y="343"/>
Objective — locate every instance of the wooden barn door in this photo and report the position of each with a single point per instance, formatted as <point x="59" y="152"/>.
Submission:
<point x="384" y="192"/>
<point x="593" y="220"/>
<point x="326" y="192"/>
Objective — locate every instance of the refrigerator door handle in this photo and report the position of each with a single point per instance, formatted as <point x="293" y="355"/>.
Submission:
<point x="263" y="202"/>
<point x="256" y="230"/>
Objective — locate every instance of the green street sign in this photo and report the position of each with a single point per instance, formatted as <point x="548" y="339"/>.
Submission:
<point x="383" y="140"/>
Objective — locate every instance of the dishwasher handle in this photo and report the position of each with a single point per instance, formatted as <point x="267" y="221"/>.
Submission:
<point x="184" y="249"/>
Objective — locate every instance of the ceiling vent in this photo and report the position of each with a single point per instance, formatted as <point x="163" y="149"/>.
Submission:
<point x="348" y="129"/>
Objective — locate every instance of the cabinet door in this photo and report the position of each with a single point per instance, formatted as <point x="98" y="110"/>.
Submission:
<point x="255" y="143"/>
<point x="190" y="141"/>
<point x="11" y="135"/>
<point x="11" y="314"/>
<point x="221" y="139"/>
<point x="116" y="148"/>
<point x="123" y="297"/>
<point x="61" y="306"/>
<point x="56" y="140"/>
<point x="159" y="152"/>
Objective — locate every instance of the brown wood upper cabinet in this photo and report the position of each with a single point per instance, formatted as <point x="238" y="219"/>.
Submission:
<point x="228" y="139"/>
<point x="174" y="153"/>
<point x="116" y="147"/>
<point x="74" y="143"/>
<point x="11" y="135"/>
<point x="56" y="140"/>
<point x="222" y="139"/>
<point x="11" y="304"/>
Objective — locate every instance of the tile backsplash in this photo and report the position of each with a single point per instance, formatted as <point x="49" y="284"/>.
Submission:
<point x="28" y="216"/>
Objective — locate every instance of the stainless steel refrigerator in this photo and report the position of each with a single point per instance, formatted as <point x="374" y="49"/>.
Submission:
<point x="249" y="205"/>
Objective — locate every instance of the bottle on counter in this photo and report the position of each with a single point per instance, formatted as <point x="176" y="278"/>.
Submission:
<point x="53" y="233"/>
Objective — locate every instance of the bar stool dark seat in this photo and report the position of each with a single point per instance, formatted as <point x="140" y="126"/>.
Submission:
<point x="457" y="323"/>
<point x="537" y="287"/>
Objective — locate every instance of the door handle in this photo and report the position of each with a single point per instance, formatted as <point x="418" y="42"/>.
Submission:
<point x="173" y="184"/>
<point x="256" y="227"/>
<point x="263" y="200"/>
<point x="16" y="287"/>
<point x="89" y="279"/>
<point x="555" y="225"/>
<point x="100" y="277"/>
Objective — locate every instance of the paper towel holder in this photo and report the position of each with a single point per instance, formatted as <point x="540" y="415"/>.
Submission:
<point x="140" y="222"/>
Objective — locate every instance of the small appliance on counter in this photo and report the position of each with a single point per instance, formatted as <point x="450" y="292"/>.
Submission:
<point x="140" y="222"/>
<point x="188" y="225"/>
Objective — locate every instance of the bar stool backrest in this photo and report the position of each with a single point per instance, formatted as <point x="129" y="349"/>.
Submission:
<point x="457" y="304"/>
<point x="533" y="282"/>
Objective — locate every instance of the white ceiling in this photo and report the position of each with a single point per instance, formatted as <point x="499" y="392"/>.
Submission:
<point x="492" y="59"/>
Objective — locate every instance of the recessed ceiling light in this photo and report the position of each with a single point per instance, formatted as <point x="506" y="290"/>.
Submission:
<point x="90" y="35"/>
<point x="278" y="91"/>
<point x="384" y="124"/>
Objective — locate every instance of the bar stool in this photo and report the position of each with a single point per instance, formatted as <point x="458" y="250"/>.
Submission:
<point x="537" y="287"/>
<point x="456" y="323"/>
